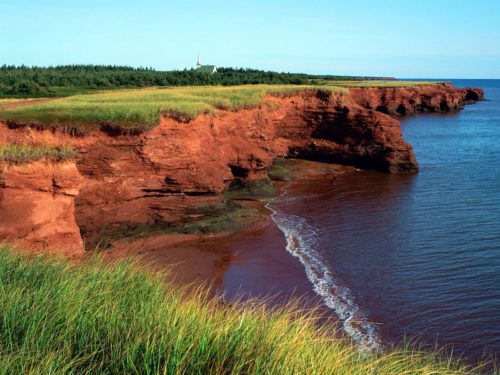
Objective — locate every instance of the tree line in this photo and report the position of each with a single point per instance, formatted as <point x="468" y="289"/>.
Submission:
<point x="24" y="81"/>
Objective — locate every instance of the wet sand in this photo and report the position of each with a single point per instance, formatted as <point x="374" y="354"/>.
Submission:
<point x="243" y="265"/>
<point x="182" y="257"/>
<point x="255" y="263"/>
<point x="252" y="262"/>
<point x="249" y="263"/>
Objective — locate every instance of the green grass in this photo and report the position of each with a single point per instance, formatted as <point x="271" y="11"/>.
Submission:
<point x="375" y="83"/>
<point x="100" y="318"/>
<point x="51" y="92"/>
<point x="22" y="154"/>
<point x="141" y="108"/>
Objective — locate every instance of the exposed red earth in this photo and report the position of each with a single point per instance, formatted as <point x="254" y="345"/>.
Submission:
<point x="24" y="103"/>
<point x="169" y="173"/>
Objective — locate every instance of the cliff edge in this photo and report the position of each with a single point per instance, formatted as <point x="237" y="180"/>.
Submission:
<point x="178" y="171"/>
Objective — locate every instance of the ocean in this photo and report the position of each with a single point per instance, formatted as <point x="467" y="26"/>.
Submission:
<point x="411" y="257"/>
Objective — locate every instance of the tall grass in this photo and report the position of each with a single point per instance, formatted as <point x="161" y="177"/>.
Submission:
<point x="142" y="107"/>
<point x="21" y="153"/>
<point x="115" y="319"/>
<point x="377" y="83"/>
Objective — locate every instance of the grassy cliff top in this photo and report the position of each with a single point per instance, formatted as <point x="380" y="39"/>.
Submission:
<point x="378" y="83"/>
<point x="141" y="108"/>
<point x="99" y="318"/>
<point x="13" y="153"/>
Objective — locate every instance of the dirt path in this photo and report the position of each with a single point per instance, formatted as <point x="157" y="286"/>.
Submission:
<point x="25" y="103"/>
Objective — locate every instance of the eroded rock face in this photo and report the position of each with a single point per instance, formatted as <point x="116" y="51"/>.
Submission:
<point x="37" y="205"/>
<point x="176" y="170"/>
<point x="411" y="100"/>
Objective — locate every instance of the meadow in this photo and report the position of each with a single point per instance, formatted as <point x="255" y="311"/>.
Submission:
<point x="376" y="83"/>
<point x="66" y="80"/>
<point x="102" y="318"/>
<point x="141" y="108"/>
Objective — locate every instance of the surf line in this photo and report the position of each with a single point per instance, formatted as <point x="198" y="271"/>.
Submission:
<point x="302" y="242"/>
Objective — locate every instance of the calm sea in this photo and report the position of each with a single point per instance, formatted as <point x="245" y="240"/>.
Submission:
<point x="398" y="256"/>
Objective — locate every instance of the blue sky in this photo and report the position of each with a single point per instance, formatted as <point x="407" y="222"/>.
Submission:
<point x="432" y="39"/>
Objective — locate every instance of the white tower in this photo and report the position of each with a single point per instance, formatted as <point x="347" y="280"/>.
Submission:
<point x="198" y="63"/>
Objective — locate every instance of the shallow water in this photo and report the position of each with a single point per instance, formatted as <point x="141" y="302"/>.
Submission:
<point x="399" y="256"/>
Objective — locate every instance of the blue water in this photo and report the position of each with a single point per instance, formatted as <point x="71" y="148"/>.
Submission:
<point x="413" y="255"/>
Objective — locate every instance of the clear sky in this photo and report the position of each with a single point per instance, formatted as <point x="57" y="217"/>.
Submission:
<point x="417" y="39"/>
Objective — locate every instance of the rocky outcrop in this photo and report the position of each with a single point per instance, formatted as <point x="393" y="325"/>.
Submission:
<point x="410" y="100"/>
<point x="37" y="205"/>
<point x="177" y="170"/>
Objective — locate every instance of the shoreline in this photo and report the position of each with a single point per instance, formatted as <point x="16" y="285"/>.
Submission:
<point x="266" y="261"/>
<point x="121" y="182"/>
<point x="271" y="260"/>
<point x="244" y="264"/>
<point x="248" y="264"/>
<point x="240" y="261"/>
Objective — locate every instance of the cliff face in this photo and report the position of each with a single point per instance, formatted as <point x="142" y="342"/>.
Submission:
<point x="411" y="100"/>
<point x="176" y="170"/>
<point x="37" y="205"/>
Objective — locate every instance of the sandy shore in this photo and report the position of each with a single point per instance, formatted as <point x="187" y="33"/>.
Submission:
<point x="252" y="262"/>
<point x="189" y="258"/>
<point x="249" y="263"/>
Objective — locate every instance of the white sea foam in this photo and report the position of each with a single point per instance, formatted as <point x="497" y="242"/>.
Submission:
<point x="302" y="242"/>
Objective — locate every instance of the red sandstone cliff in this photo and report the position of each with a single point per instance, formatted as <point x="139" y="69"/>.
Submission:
<point x="167" y="173"/>
<point x="37" y="205"/>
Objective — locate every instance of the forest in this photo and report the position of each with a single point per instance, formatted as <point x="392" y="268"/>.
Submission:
<point x="24" y="81"/>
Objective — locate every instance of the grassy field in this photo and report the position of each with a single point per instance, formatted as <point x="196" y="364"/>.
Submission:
<point x="22" y="154"/>
<point x="115" y="319"/>
<point x="141" y="108"/>
<point x="374" y="83"/>
<point x="13" y="101"/>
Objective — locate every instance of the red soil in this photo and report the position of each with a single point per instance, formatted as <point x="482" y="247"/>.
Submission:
<point x="23" y="103"/>
<point x="167" y="173"/>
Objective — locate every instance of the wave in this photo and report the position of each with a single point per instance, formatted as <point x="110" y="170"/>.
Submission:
<point x="302" y="242"/>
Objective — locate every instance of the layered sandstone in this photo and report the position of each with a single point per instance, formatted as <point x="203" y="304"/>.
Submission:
<point x="37" y="205"/>
<point x="174" y="171"/>
<point x="410" y="100"/>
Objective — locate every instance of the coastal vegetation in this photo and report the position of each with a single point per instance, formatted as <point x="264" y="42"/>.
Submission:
<point x="59" y="318"/>
<point x="141" y="108"/>
<point x="24" y="153"/>
<point x="280" y="170"/>
<point x="376" y="83"/>
<point x="228" y="217"/>
<point x="136" y="97"/>
<point x="251" y="190"/>
<point x="24" y="82"/>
